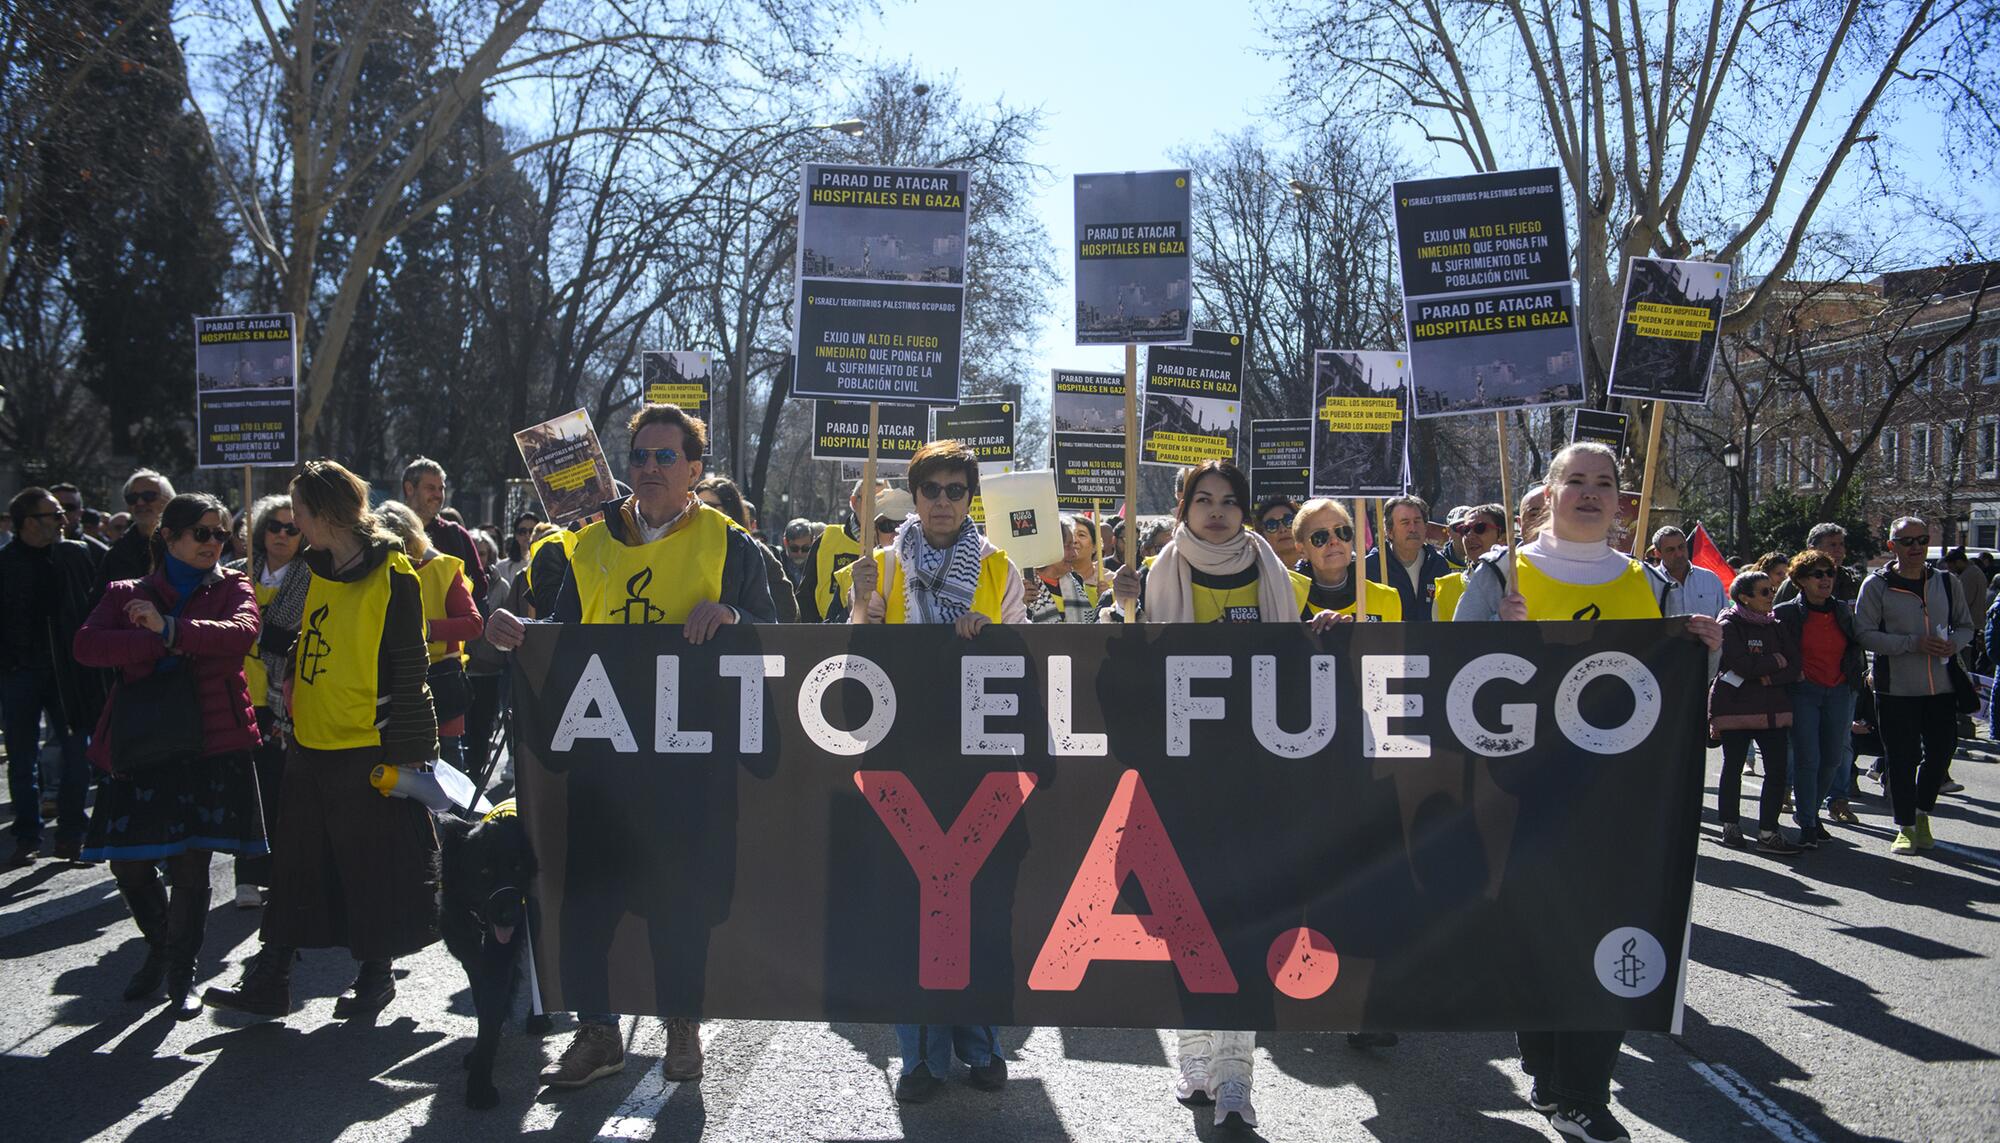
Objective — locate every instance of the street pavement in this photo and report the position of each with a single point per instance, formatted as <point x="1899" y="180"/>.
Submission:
<point x="1840" y="995"/>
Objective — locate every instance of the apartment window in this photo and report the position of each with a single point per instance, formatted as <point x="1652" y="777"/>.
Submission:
<point x="1989" y="363"/>
<point x="1920" y="451"/>
<point x="1954" y="451"/>
<point x="1834" y="380"/>
<point x="1892" y="455"/>
<point x="1989" y="448"/>
<point x="1954" y="368"/>
<point x="1861" y="392"/>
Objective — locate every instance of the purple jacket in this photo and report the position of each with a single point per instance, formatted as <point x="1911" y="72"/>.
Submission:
<point x="213" y="634"/>
<point x="1765" y="655"/>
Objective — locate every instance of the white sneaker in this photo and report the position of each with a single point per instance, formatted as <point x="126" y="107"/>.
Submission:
<point x="249" y="897"/>
<point x="1193" y="1084"/>
<point x="1233" y="1098"/>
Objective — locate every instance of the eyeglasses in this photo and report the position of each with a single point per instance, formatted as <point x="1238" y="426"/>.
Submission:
<point x="1911" y="541"/>
<point x="204" y="534"/>
<point x="279" y="527"/>
<point x="799" y="549"/>
<point x="664" y="457"/>
<point x="1275" y="524"/>
<point x="884" y="525"/>
<point x="55" y="515"/>
<point x="954" y="492"/>
<point x="1320" y="539"/>
<point x="1475" y="528"/>
<point x="1817" y="573"/>
<point x="146" y="497"/>
<point x="1761" y="592"/>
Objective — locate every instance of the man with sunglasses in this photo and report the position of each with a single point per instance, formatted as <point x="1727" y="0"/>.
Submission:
<point x="45" y="587"/>
<point x="1830" y="540"/>
<point x="1414" y="566"/>
<point x="819" y="593"/>
<point x="1914" y="619"/>
<point x="658" y="556"/>
<point x="131" y="557"/>
<point x="799" y="539"/>
<point x="1474" y="533"/>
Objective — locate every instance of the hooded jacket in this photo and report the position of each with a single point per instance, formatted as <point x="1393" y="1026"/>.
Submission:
<point x="1889" y="619"/>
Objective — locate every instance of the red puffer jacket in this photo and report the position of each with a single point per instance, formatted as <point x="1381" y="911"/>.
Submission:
<point x="214" y="632"/>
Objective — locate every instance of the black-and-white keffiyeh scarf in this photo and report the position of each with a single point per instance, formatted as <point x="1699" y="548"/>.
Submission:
<point x="940" y="581"/>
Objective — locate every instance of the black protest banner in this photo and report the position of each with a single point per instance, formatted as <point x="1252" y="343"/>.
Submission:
<point x="881" y="284"/>
<point x="840" y="430"/>
<point x="1194" y="400"/>
<point x="1487" y="299"/>
<point x="568" y="466"/>
<point x="984" y="426"/>
<point x="680" y="377"/>
<point x="1668" y="329"/>
<point x="1360" y="422"/>
<point x="1394" y="826"/>
<point x="246" y="391"/>
<point x="1600" y="425"/>
<point x="1090" y="467"/>
<point x="1133" y="267"/>
<point x="1281" y="458"/>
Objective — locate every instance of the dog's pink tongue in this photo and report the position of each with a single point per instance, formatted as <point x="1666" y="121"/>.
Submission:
<point x="503" y="933"/>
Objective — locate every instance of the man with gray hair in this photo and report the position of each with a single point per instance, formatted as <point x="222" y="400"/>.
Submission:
<point x="1830" y="540"/>
<point x="146" y="496"/>
<point x="1695" y="591"/>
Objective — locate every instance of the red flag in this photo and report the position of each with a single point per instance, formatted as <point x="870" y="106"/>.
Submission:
<point x="1704" y="554"/>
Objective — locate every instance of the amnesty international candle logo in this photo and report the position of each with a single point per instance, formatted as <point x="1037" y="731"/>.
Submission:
<point x="1630" y="962"/>
<point x="315" y="649"/>
<point x="637" y="608"/>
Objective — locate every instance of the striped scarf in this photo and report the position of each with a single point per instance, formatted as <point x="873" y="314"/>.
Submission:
<point x="940" y="581"/>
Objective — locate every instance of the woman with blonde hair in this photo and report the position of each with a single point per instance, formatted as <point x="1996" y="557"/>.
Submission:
<point x="357" y="870"/>
<point x="1324" y="532"/>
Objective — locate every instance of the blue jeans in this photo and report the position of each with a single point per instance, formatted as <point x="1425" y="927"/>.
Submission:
<point x="25" y="695"/>
<point x="1822" y="738"/>
<point x="933" y="1044"/>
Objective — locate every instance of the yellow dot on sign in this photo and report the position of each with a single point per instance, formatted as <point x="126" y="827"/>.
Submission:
<point x="1180" y="182"/>
<point x="1399" y="363"/>
<point x="1006" y="408"/>
<point x="1229" y="408"/>
<point x="1233" y="340"/>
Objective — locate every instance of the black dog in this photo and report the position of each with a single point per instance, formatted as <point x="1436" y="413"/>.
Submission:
<point x="487" y="867"/>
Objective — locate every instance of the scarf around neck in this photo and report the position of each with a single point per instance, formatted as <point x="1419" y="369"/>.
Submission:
<point x="939" y="583"/>
<point x="1170" y="583"/>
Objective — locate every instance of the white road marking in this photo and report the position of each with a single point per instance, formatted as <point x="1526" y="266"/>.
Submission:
<point x="1977" y="857"/>
<point x="639" y="1114"/>
<point x="1758" y="1106"/>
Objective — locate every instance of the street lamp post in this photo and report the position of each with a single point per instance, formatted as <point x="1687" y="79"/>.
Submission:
<point x="853" y="129"/>
<point x="1732" y="459"/>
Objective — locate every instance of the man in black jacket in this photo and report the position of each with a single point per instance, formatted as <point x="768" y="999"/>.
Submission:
<point x="423" y="490"/>
<point x="45" y="587"/>
<point x="1414" y="567"/>
<point x="146" y="496"/>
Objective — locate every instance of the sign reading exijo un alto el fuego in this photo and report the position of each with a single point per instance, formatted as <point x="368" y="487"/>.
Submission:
<point x="1398" y="827"/>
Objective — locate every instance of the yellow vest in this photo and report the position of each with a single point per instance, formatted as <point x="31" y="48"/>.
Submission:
<point x="436" y="577"/>
<point x="562" y="536"/>
<point x="335" y="690"/>
<point x="658" y="582"/>
<point x="253" y="663"/>
<point x="993" y="573"/>
<point x="836" y="550"/>
<point x="1228" y="604"/>
<point x="1450" y="589"/>
<point x="1384" y="604"/>
<point x="1630" y="596"/>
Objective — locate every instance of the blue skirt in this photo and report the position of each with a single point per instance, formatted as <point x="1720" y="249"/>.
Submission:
<point x="206" y="803"/>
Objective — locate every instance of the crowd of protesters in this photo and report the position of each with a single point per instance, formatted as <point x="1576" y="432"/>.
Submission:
<point x="274" y="658"/>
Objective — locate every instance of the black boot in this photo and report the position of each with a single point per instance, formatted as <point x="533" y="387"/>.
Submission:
<point x="148" y="901"/>
<point x="373" y="988"/>
<point x="266" y="989"/>
<point x="187" y="921"/>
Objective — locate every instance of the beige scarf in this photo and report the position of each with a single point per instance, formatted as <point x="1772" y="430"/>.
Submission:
<point x="1170" y="582"/>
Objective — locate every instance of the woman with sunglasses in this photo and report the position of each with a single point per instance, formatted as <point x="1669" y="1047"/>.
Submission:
<point x="188" y="614"/>
<point x="1275" y="518"/>
<point x="1568" y="570"/>
<point x="274" y="544"/>
<point x="939" y="569"/>
<point x="356" y="870"/>
<point x="1324" y="531"/>
<point x="1832" y="668"/>
<point x="1751" y="701"/>
<point x="1477" y="532"/>
<point x="1914" y="618"/>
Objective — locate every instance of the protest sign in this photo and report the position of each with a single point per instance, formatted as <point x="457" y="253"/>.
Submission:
<point x="567" y="464"/>
<point x="1600" y="425"/>
<point x="1281" y="459"/>
<point x="881" y="284"/>
<point x="1086" y="402"/>
<point x="890" y="823"/>
<point x="1132" y="263"/>
<point x="986" y="426"/>
<point x="246" y="394"/>
<point x="1360" y="422"/>
<point x="680" y="377"/>
<point x="1668" y="329"/>
<point x="1089" y="467"/>
<point x="840" y="430"/>
<point x="1486" y="293"/>
<point x="1194" y="400"/>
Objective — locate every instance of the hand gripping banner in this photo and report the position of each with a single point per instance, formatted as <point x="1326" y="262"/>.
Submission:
<point x="1396" y="826"/>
